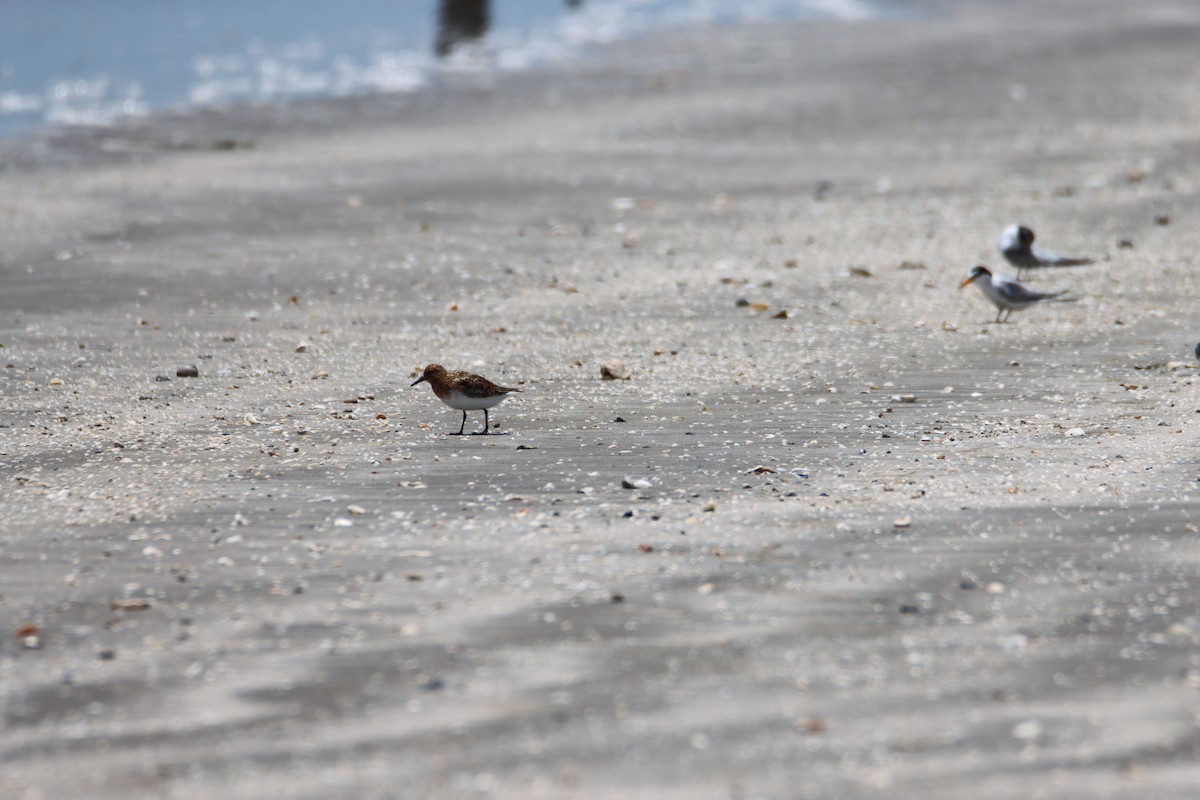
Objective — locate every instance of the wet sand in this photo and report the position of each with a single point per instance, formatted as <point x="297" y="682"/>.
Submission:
<point x="875" y="547"/>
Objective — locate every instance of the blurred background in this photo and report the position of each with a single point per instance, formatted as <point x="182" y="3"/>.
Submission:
<point x="93" y="62"/>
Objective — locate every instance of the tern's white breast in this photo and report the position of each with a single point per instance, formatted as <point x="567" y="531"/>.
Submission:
<point x="464" y="403"/>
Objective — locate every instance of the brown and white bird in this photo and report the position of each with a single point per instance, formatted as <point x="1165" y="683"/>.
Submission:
<point x="1007" y="294"/>
<point x="1017" y="247"/>
<point x="465" y="392"/>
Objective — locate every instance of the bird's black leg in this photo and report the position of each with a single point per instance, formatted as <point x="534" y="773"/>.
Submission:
<point x="485" y="424"/>
<point x="460" y="427"/>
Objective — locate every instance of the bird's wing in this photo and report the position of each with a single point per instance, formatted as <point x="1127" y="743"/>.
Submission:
<point x="1019" y="257"/>
<point x="1017" y="293"/>
<point x="1049" y="258"/>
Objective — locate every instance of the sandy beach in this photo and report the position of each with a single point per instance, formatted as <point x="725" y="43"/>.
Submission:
<point x="838" y="536"/>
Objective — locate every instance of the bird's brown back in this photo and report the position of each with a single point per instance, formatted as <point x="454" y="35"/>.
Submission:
<point x="478" y="386"/>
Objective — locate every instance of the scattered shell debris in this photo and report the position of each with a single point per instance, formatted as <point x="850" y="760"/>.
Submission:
<point x="615" y="370"/>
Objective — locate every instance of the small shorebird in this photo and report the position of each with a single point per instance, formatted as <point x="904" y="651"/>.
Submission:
<point x="1017" y="247"/>
<point x="465" y="392"/>
<point x="1007" y="294"/>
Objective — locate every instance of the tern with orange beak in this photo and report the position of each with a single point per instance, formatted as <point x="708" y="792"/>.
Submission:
<point x="1007" y="294"/>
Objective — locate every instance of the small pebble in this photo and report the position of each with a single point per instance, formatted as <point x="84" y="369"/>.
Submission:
<point x="742" y="302"/>
<point x="162" y="378"/>
<point x="1076" y="432"/>
<point x="813" y="725"/>
<point x="431" y="684"/>
<point x="1027" y="730"/>
<point x="902" y="522"/>
<point x="190" y="371"/>
<point x="131" y="604"/>
<point x="635" y="483"/>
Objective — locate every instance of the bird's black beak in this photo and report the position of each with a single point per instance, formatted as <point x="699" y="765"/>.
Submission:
<point x="418" y="380"/>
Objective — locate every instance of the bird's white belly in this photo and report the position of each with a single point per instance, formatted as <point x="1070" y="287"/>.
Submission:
<point x="464" y="403"/>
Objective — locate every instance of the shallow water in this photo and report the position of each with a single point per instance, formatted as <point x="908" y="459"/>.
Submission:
<point x="87" y="62"/>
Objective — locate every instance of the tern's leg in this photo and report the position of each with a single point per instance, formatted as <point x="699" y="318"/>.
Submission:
<point x="485" y="424"/>
<point x="463" y="425"/>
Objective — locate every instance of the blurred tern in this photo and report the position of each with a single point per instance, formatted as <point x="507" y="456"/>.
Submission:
<point x="1007" y="294"/>
<point x="1017" y="247"/>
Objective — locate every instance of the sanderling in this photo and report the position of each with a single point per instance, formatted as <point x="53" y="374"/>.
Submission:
<point x="1007" y="294"/>
<point x="465" y="392"/>
<point x="1017" y="247"/>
